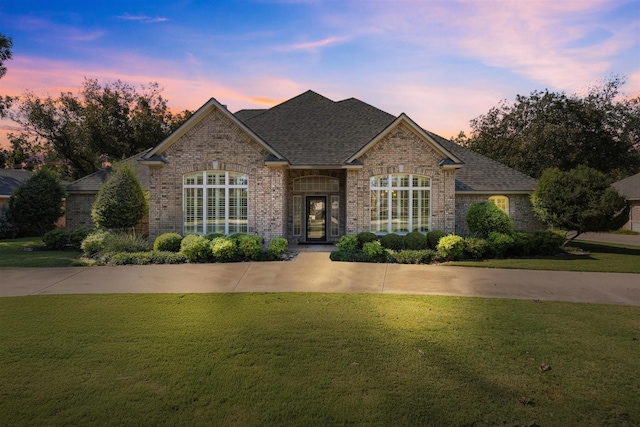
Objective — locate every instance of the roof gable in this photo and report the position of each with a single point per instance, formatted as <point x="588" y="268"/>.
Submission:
<point x="10" y="179"/>
<point x="155" y="154"/>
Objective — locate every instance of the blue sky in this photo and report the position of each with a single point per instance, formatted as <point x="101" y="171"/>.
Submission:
<point x="441" y="62"/>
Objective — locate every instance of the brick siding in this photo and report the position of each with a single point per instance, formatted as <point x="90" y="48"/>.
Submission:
<point x="520" y="211"/>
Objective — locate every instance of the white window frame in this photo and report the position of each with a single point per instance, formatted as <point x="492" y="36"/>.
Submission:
<point x="203" y="202"/>
<point x="390" y="188"/>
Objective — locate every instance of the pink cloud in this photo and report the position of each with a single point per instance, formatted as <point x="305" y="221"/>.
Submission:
<point x="312" y="46"/>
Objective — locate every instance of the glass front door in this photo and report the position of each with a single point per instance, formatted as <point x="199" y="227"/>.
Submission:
<point x="316" y="218"/>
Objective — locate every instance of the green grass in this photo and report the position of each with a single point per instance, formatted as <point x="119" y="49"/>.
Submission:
<point x="315" y="359"/>
<point x="600" y="257"/>
<point x="12" y="254"/>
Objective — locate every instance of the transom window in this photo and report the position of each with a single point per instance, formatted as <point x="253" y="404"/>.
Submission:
<point x="215" y="202"/>
<point x="400" y="203"/>
<point x="502" y="202"/>
<point x="317" y="183"/>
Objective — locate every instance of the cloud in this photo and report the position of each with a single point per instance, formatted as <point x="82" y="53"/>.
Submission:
<point x="143" y="19"/>
<point x="312" y="46"/>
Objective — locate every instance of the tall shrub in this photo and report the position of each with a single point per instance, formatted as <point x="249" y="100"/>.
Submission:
<point x="484" y="218"/>
<point x="36" y="205"/>
<point x="121" y="202"/>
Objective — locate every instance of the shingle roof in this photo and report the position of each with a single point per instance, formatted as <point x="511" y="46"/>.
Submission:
<point x="92" y="183"/>
<point x="313" y="130"/>
<point x="12" y="178"/>
<point x="629" y="187"/>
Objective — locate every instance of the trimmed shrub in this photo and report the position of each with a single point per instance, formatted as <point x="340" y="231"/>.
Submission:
<point x="223" y="248"/>
<point x="250" y="247"/>
<point x="94" y="243"/>
<point x="144" y="258"/>
<point x="372" y="249"/>
<point x="77" y="236"/>
<point x="350" y="256"/>
<point x="475" y="248"/>
<point x="410" y="256"/>
<point x="485" y="217"/>
<point x="277" y="247"/>
<point x="392" y="241"/>
<point x="499" y="243"/>
<point x="169" y="242"/>
<point x="195" y="248"/>
<point x="522" y="244"/>
<point x="546" y="242"/>
<point x="56" y="240"/>
<point x="121" y="202"/>
<point x="451" y="247"/>
<point x="347" y="243"/>
<point x="433" y="237"/>
<point x="213" y="236"/>
<point x="7" y="229"/>
<point x="366" y="237"/>
<point x="416" y="241"/>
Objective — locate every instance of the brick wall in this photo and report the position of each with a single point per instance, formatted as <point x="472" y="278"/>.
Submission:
<point x="520" y="211"/>
<point x="401" y="151"/>
<point x="78" y="213"/>
<point x="217" y="143"/>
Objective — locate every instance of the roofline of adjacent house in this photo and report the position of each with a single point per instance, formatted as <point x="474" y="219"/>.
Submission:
<point x="404" y="118"/>
<point x="493" y="192"/>
<point x="194" y="119"/>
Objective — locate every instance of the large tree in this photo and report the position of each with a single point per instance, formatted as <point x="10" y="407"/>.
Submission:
<point x="5" y="54"/>
<point x="547" y="129"/>
<point x="77" y="133"/>
<point x="578" y="201"/>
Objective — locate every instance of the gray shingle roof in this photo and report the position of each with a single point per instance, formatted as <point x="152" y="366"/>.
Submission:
<point x="629" y="187"/>
<point x="313" y="130"/>
<point x="92" y="183"/>
<point x="11" y="179"/>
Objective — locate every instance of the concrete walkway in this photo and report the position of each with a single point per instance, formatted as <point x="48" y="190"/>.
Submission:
<point x="314" y="272"/>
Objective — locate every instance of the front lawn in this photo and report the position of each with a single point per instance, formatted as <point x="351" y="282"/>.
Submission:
<point x="13" y="254"/>
<point x="316" y="359"/>
<point x="599" y="257"/>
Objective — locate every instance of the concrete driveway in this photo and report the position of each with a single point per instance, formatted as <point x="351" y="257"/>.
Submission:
<point x="621" y="239"/>
<point x="314" y="272"/>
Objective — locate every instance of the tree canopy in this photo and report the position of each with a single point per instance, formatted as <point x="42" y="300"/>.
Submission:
<point x="6" y="44"/>
<point x="547" y="129"/>
<point x="75" y="134"/>
<point x="579" y="200"/>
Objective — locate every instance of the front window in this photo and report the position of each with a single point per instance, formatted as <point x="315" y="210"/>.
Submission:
<point x="400" y="203"/>
<point x="215" y="202"/>
<point x="502" y="202"/>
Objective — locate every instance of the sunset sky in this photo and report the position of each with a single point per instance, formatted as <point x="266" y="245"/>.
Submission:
<point x="441" y="62"/>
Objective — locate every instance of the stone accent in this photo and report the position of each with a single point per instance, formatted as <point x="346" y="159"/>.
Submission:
<point x="520" y="211"/>
<point x="401" y="151"/>
<point x="217" y="143"/>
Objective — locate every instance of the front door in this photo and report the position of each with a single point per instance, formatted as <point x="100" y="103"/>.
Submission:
<point x="316" y="218"/>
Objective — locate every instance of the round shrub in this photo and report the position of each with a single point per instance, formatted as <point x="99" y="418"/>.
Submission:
<point x="499" y="243"/>
<point x="366" y="237"/>
<point x="546" y="242"/>
<point x="451" y="247"/>
<point x="168" y="242"/>
<point x="77" y="236"/>
<point x="214" y="235"/>
<point x="372" y="249"/>
<point x="195" y="248"/>
<point x="250" y="247"/>
<point x="485" y="217"/>
<point x="409" y="256"/>
<point x="56" y="240"/>
<point x="277" y="247"/>
<point x="223" y="248"/>
<point x="392" y="241"/>
<point x="433" y="237"/>
<point x="416" y="241"/>
<point x="94" y="243"/>
<point x="348" y="243"/>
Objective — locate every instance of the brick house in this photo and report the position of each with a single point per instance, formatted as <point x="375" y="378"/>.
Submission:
<point x="630" y="188"/>
<point x="312" y="169"/>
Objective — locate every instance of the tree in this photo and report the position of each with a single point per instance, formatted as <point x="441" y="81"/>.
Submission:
<point x="579" y="201"/>
<point x="5" y="54"/>
<point x="547" y="129"/>
<point x="36" y="205"/>
<point x="121" y="202"/>
<point x="76" y="134"/>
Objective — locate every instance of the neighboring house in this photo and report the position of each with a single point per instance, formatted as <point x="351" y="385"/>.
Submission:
<point x="630" y="188"/>
<point x="311" y="170"/>
<point x="10" y="179"/>
<point x="82" y="193"/>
